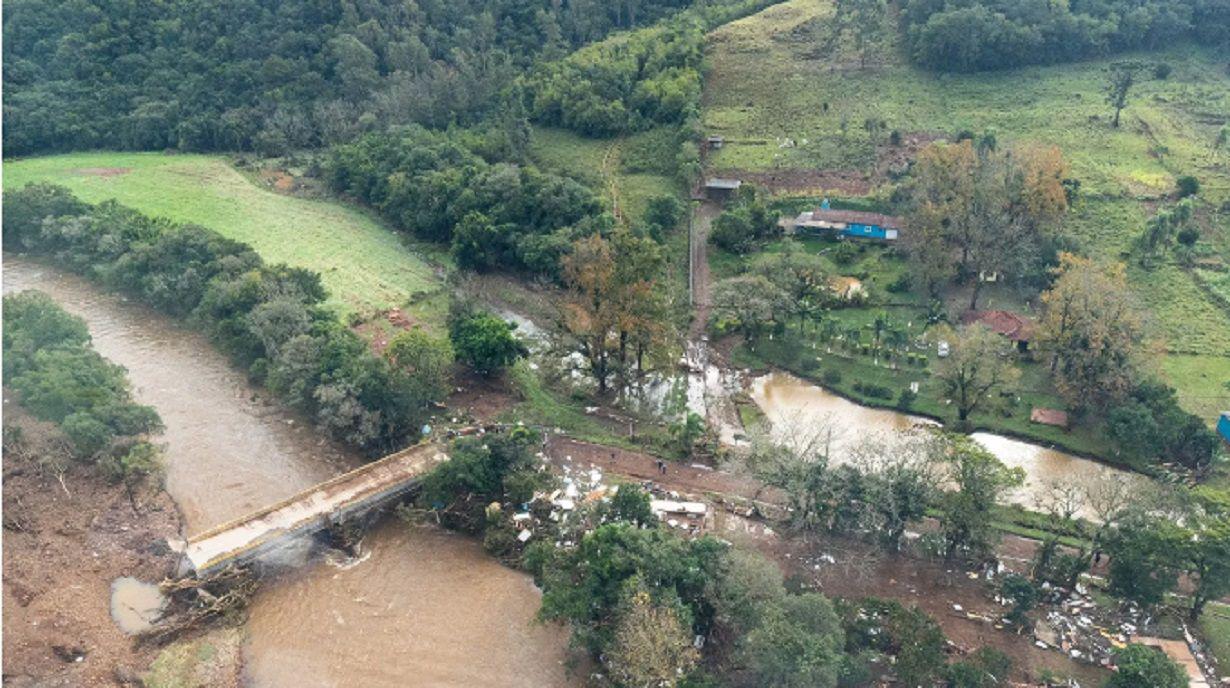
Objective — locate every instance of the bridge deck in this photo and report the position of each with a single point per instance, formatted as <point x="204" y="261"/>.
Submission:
<point x="312" y="508"/>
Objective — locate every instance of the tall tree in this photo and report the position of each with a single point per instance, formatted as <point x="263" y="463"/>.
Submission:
<point x="941" y="217"/>
<point x="797" y="644"/>
<point x="653" y="646"/>
<point x="1120" y="77"/>
<point x="591" y="313"/>
<point x="979" y="482"/>
<point x="977" y="368"/>
<point x="614" y="310"/>
<point x="748" y="302"/>
<point x="1093" y="329"/>
<point x="981" y="211"/>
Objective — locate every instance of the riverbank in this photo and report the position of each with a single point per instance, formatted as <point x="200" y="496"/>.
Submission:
<point x="65" y="541"/>
<point x="373" y="621"/>
<point x="1074" y="442"/>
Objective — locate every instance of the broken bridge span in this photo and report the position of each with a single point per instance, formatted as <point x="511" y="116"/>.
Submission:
<point x="343" y="497"/>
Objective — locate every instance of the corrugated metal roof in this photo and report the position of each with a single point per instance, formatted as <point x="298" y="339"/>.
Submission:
<point x="851" y="217"/>
<point x="728" y="184"/>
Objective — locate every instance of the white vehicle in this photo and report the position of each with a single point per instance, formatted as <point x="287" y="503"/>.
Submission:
<point x="942" y="349"/>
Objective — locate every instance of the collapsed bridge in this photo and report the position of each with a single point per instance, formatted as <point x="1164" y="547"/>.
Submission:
<point x="338" y="499"/>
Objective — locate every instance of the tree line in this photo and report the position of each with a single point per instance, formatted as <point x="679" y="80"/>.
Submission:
<point x="635" y="80"/>
<point x="59" y="377"/>
<point x="977" y="35"/>
<point x="273" y="76"/>
<point x="268" y="318"/>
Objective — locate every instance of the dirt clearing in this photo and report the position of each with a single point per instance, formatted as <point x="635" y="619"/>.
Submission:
<point x="63" y="546"/>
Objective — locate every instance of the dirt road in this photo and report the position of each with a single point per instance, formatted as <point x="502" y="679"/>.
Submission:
<point x="855" y="569"/>
<point x="702" y="218"/>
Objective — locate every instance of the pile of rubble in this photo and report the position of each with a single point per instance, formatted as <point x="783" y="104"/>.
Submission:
<point x="564" y="513"/>
<point x="1076" y="625"/>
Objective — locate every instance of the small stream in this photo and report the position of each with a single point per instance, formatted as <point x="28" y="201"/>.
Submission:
<point x="421" y="606"/>
<point x="788" y="401"/>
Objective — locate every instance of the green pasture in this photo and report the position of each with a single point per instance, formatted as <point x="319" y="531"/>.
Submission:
<point x="365" y="266"/>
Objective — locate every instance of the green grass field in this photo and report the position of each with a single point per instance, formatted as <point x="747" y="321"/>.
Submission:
<point x="615" y="168"/>
<point x="779" y="99"/>
<point x="365" y="266"/>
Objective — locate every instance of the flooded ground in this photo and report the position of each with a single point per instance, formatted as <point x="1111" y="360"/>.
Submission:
<point x="136" y="605"/>
<point x="790" y="402"/>
<point x="422" y="605"/>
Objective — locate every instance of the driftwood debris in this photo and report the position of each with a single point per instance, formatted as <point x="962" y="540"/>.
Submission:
<point x="195" y="602"/>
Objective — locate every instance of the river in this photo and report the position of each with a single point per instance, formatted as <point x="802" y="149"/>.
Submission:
<point x="788" y="401"/>
<point x="420" y="607"/>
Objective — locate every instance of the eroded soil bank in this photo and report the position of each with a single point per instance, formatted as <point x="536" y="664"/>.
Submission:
<point x="64" y="544"/>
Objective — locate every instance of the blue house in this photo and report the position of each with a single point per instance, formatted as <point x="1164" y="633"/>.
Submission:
<point x="1223" y="427"/>
<point x="847" y="223"/>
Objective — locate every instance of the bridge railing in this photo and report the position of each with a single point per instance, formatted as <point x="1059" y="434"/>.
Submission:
<point x="302" y="494"/>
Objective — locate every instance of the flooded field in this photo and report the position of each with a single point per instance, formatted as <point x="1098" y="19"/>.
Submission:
<point x="789" y="402"/>
<point x="421" y="603"/>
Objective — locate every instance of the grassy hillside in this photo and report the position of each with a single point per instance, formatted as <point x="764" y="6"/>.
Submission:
<point x="364" y="266"/>
<point x="780" y="99"/>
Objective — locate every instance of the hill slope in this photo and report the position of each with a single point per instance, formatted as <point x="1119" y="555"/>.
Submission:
<point x="792" y="114"/>
<point x="364" y="266"/>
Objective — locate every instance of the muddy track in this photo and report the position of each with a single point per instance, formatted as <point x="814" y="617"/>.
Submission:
<point x="698" y="262"/>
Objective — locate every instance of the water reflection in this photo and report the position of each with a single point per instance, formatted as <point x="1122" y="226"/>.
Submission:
<point x="790" y="403"/>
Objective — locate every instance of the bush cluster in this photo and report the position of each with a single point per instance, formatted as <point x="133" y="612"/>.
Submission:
<point x="492" y="215"/>
<point x="60" y="378"/>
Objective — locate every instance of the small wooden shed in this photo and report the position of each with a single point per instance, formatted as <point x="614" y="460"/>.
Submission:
<point x="718" y="189"/>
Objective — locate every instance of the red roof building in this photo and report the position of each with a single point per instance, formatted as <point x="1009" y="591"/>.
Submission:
<point x="1016" y="327"/>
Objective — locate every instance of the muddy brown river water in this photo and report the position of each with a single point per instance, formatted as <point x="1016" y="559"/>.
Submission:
<point x="788" y="401"/>
<point x="419" y="607"/>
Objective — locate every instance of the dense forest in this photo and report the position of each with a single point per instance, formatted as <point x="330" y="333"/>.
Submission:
<point x="242" y="74"/>
<point x="492" y="215"/>
<point x="975" y="35"/>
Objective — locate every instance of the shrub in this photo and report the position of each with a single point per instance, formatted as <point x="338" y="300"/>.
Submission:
<point x="1187" y="185"/>
<point x="831" y="377"/>
<point x="900" y="285"/>
<point x="873" y="390"/>
<point x="906" y="399"/>
<point x="986" y="668"/>
<point x="1145" y="667"/>
<point x="845" y="252"/>
<point x="1018" y="590"/>
<point x="1161" y="70"/>
<point x="484" y="342"/>
<point x="1188" y="236"/>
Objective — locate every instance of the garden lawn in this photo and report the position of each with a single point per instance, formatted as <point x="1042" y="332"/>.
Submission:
<point x="779" y="99"/>
<point x="365" y="266"/>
